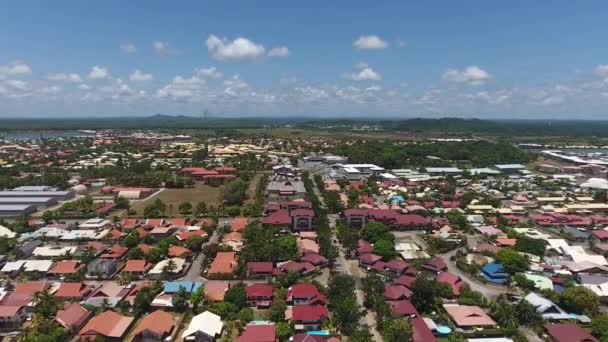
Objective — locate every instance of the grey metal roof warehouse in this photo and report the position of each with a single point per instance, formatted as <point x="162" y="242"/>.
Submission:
<point x="55" y="194"/>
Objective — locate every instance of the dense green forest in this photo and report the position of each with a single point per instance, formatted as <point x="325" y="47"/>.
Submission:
<point x="446" y="126"/>
<point x="390" y="155"/>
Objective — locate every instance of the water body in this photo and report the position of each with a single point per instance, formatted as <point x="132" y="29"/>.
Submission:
<point x="35" y="135"/>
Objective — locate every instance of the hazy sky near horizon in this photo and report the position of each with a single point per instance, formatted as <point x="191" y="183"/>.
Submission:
<point x="489" y="59"/>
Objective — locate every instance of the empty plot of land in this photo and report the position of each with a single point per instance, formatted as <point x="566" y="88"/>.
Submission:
<point x="199" y="193"/>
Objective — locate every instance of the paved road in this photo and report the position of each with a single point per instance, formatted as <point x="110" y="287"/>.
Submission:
<point x="194" y="273"/>
<point x="490" y="291"/>
<point x="351" y="268"/>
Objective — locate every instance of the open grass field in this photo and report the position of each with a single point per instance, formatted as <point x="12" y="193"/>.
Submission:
<point x="200" y="192"/>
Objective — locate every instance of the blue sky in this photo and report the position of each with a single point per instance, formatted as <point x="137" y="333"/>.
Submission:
<point x="515" y="59"/>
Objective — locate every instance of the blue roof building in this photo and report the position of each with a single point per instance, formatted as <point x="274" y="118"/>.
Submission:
<point x="173" y="286"/>
<point x="494" y="273"/>
<point x="397" y="198"/>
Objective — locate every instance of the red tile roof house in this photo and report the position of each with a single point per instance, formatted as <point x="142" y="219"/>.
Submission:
<point x="179" y="222"/>
<point x="75" y="291"/>
<point x="355" y="217"/>
<point x="259" y="295"/>
<point x="420" y="331"/>
<point x="307" y="317"/>
<point x="180" y="252"/>
<point x="453" y="280"/>
<point x="259" y="269"/>
<point x="157" y="326"/>
<point x="238" y="224"/>
<point x="600" y="235"/>
<point x="305" y="294"/>
<point x="435" y="265"/>
<point x="398" y="267"/>
<point x="258" y="333"/>
<point x="115" y="252"/>
<point x="304" y="268"/>
<point x="129" y="223"/>
<point x="405" y="280"/>
<point x="154" y="222"/>
<point x="302" y="219"/>
<point x="396" y="292"/>
<point x="279" y="219"/>
<point x="73" y="317"/>
<point x="568" y="332"/>
<point x="186" y="235"/>
<point x="12" y="316"/>
<point x="468" y="317"/>
<point x="364" y="247"/>
<point x="369" y="259"/>
<point x="411" y="222"/>
<point x="223" y="265"/>
<point x="139" y="267"/>
<point x="315" y="259"/>
<point x="297" y="204"/>
<point x="225" y="170"/>
<point x="109" y="325"/>
<point x="66" y="267"/>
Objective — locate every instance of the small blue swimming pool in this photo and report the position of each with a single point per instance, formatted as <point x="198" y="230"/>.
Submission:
<point x="443" y="330"/>
<point x="319" y="332"/>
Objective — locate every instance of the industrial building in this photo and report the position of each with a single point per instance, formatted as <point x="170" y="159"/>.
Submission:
<point x="13" y="210"/>
<point x="39" y="202"/>
<point x="58" y="195"/>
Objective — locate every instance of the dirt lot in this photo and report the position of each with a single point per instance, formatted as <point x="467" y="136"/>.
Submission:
<point x="200" y="192"/>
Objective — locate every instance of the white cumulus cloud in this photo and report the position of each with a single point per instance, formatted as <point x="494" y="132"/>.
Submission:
<point x="371" y="42"/>
<point x="139" y="75"/>
<point x="473" y="75"/>
<point x="163" y="48"/>
<point x="99" y="73"/>
<point x="210" y="72"/>
<point x="14" y="68"/>
<point x="65" y="77"/>
<point x="602" y="71"/>
<point x="18" y="84"/>
<point x="281" y="51"/>
<point x="128" y="48"/>
<point x="238" y="49"/>
<point x="181" y="88"/>
<point x="364" y="74"/>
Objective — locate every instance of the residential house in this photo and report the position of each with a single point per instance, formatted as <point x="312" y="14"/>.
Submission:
<point x="396" y="292"/>
<point x="494" y="273"/>
<point x="65" y="268"/>
<point x="469" y="317"/>
<point x="435" y="265"/>
<point x="305" y="294"/>
<point x="307" y="317"/>
<point x="258" y="333"/>
<point x="137" y="267"/>
<point x="179" y="252"/>
<point x="224" y="264"/>
<point x="73" y="317"/>
<point x="73" y="291"/>
<point x="108" y="325"/>
<point x="101" y="268"/>
<point x="259" y="295"/>
<point x="12" y="316"/>
<point x="157" y="326"/>
<point x="546" y="308"/>
<point x="568" y="332"/>
<point x="257" y="270"/>
<point x="454" y="281"/>
<point x="204" y="327"/>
